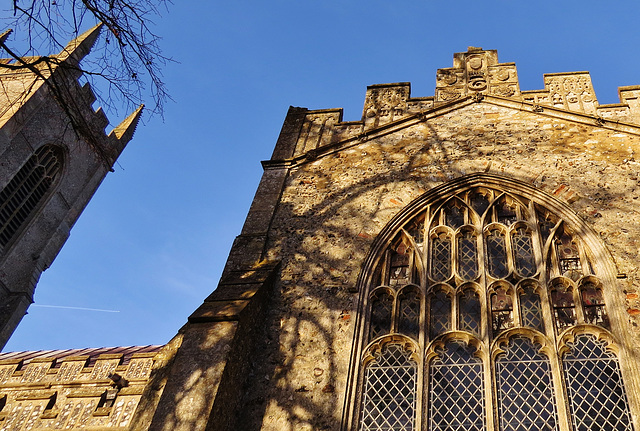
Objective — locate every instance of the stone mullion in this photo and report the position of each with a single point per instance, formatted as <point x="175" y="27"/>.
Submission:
<point x="577" y="300"/>
<point x="491" y="393"/>
<point x="560" y="393"/>
<point x="491" y="412"/>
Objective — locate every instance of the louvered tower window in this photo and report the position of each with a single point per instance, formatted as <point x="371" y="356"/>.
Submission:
<point x="22" y="195"/>
<point x="492" y="291"/>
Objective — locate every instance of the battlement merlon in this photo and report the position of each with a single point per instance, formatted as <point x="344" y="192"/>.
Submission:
<point x="24" y="96"/>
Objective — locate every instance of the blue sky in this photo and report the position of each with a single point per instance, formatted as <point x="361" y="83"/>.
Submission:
<point x="153" y="241"/>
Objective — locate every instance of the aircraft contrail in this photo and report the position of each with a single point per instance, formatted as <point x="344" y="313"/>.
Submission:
<point x="75" y="308"/>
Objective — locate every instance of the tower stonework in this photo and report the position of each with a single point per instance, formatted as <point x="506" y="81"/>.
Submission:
<point x="462" y="261"/>
<point x="54" y="155"/>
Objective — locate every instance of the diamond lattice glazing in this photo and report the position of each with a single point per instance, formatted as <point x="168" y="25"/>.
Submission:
<point x="525" y="389"/>
<point x="381" y="307"/>
<point x="497" y="255"/>
<point x="470" y="312"/>
<point x="597" y="397"/>
<point x="409" y="321"/>
<point x="456" y="390"/>
<point x="523" y="253"/>
<point x="441" y="258"/>
<point x="530" y="310"/>
<point x="467" y="257"/>
<point x="440" y="313"/>
<point x="389" y="395"/>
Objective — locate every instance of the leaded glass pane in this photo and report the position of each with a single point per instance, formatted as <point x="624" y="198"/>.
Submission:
<point x="525" y="389"/>
<point x="390" y="392"/>
<point x="416" y="230"/>
<point x="530" y="311"/>
<point x="597" y="396"/>
<point x="454" y="215"/>
<point x="496" y="249"/>
<point x="523" y="253"/>
<point x="467" y="256"/>
<point x="441" y="258"/>
<point x="440" y="314"/>
<point x="381" y="307"/>
<point x="501" y="310"/>
<point x="593" y="306"/>
<point x="479" y="203"/>
<point x="563" y="306"/>
<point x="399" y="272"/>
<point x="409" y="313"/>
<point x="470" y="312"/>
<point x="568" y="257"/>
<point x="506" y="212"/>
<point x="456" y="401"/>
<point x="546" y="226"/>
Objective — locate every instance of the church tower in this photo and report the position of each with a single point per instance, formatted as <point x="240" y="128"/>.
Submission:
<point x="54" y="154"/>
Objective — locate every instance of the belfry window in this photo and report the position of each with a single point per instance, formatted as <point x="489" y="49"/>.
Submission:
<point x="485" y="300"/>
<point x="22" y="195"/>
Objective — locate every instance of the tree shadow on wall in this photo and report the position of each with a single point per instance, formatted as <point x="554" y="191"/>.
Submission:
<point x="328" y="217"/>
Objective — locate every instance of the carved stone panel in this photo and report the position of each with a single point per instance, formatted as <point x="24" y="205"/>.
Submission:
<point x="6" y="371"/>
<point x="503" y="81"/>
<point x="385" y="103"/>
<point x="476" y="71"/>
<point x="572" y="91"/>
<point x="103" y="368"/>
<point x="139" y="368"/>
<point x="631" y="96"/>
<point x="35" y="372"/>
<point x="69" y="370"/>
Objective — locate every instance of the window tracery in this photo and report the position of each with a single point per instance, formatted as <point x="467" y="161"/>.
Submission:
<point x="494" y="280"/>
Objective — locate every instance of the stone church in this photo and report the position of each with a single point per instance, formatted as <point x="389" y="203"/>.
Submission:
<point x="464" y="261"/>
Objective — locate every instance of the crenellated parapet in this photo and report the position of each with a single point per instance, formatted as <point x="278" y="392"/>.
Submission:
<point x="81" y="388"/>
<point x="27" y="82"/>
<point x="475" y="75"/>
<point x="571" y="91"/>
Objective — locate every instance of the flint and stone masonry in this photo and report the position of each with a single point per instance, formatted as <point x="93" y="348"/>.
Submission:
<point x="279" y="343"/>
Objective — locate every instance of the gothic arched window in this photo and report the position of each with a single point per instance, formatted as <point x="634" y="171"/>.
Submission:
<point x="22" y="195"/>
<point x="506" y="307"/>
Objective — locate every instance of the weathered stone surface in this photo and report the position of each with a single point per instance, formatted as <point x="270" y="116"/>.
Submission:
<point x="275" y="347"/>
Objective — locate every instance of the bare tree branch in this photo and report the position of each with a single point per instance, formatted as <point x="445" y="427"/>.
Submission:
<point x="127" y="57"/>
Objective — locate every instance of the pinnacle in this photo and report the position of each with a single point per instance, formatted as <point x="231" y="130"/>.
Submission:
<point x="79" y="47"/>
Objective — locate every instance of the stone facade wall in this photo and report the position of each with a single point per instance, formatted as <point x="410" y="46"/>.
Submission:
<point x="275" y="346"/>
<point x="346" y="181"/>
<point x="332" y="208"/>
